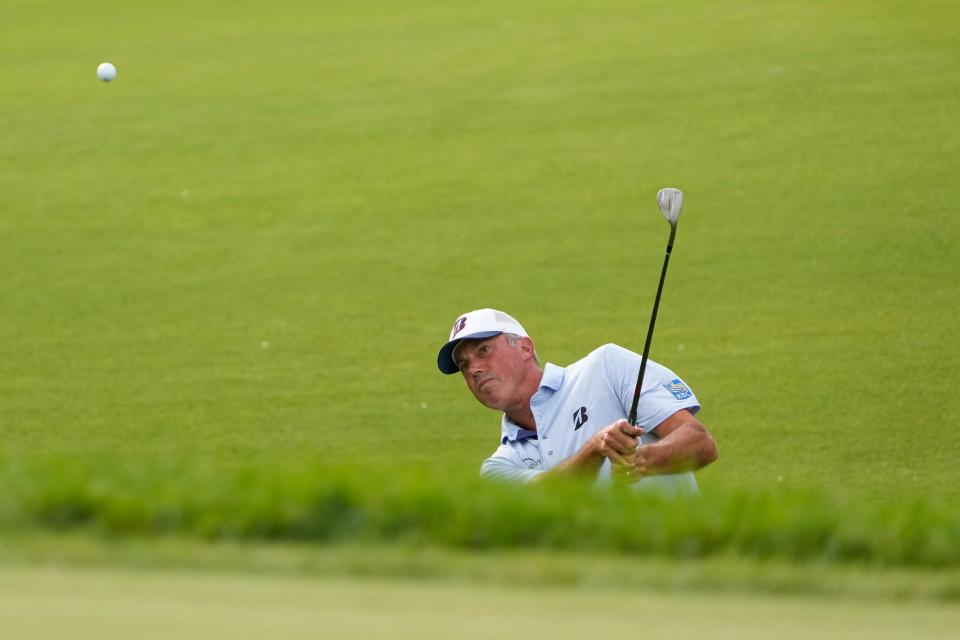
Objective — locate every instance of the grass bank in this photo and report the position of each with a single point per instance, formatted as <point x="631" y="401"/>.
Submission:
<point x="55" y="603"/>
<point x="322" y="504"/>
<point x="532" y="568"/>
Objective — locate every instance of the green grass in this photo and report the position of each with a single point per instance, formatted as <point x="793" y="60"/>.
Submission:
<point x="247" y="249"/>
<point x="52" y="603"/>
<point x="331" y="505"/>
<point x="529" y="568"/>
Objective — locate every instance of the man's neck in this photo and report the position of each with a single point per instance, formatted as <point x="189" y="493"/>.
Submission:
<point x="521" y="414"/>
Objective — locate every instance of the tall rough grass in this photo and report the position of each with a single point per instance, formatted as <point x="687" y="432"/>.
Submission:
<point x="330" y="504"/>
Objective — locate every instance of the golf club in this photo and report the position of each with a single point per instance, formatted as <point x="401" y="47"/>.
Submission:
<point x="670" y="202"/>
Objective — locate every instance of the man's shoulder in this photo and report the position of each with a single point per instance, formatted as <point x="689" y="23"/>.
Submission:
<point x="601" y="354"/>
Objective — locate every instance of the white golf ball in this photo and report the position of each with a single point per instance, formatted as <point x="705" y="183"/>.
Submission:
<point x="106" y="72"/>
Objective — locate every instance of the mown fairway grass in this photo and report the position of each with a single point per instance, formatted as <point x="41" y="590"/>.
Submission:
<point x="248" y="247"/>
<point x="37" y="603"/>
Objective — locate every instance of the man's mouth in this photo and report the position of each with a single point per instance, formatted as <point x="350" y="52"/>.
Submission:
<point x="483" y="383"/>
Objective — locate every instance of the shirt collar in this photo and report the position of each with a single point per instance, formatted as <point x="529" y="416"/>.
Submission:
<point x="511" y="431"/>
<point x="552" y="379"/>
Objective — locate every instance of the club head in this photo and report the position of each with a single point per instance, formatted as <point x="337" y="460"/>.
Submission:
<point x="670" y="201"/>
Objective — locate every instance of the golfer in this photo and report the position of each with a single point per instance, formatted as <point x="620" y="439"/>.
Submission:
<point x="572" y="420"/>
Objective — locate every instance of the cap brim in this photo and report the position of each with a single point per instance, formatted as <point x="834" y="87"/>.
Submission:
<point x="445" y="357"/>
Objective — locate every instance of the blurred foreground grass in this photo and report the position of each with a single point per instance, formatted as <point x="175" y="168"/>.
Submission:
<point x="323" y="504"/>
<point x="97" y="603"/>
<point x="534" y="568"/>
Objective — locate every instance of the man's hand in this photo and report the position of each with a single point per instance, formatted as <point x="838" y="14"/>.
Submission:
<point x="619" y="443"/>
<point x="634" y="468"/>
<point x="684" y="445"/>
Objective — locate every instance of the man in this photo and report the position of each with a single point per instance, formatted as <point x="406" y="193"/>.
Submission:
<point x="565" y="421"/>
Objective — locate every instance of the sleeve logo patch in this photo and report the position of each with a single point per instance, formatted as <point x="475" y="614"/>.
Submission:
<point x="679" y="390"/>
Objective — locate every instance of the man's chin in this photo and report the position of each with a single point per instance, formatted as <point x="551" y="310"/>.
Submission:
<point x="491" y="402"/>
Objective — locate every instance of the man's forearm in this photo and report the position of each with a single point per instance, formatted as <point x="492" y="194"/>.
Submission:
<point x="616" y="441"/>
<point x="586" y="461"/>
<point x="688" y="448"/>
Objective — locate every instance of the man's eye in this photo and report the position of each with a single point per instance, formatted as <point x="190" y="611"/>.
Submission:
<point x="484" y="349"/>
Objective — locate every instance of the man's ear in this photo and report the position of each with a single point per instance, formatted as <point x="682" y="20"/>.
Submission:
<point x="526" y="347"/>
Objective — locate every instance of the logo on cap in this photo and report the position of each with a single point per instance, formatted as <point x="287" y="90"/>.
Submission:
<point x="458" y="326"/>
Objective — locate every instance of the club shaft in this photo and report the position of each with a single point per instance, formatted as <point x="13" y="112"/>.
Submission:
<point x="653" y="321"/>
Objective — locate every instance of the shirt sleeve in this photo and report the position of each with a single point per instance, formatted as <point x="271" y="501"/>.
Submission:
<point x="663" y="392"/>
<point x="505" y="465"/>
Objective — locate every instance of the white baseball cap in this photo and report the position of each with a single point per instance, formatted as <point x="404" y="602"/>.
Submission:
<point x="476" y="325"/>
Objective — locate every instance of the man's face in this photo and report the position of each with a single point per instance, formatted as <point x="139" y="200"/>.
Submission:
<point x="494" y="369"/>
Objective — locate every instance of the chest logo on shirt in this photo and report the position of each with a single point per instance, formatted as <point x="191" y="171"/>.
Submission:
<point x="533" y="464"/>
<point x="679" y="390"/>
<point x="580" y="418"/>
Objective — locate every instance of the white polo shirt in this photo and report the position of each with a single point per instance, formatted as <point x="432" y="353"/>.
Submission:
<point x="575" y="402"/>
